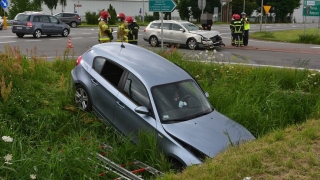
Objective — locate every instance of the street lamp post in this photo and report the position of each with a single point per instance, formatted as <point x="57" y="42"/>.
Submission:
<point x="244" y="5"/>
<point x="261" y="15"/>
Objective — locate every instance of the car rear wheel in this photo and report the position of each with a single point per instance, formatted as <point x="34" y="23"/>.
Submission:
<point x="153" y="41"/>
<point x="20" y="35"/>
<point x="192" y="44"/>
<point x="82" y="98"/>
<point x="37" y="33"/>
<point x="73" y="24"/>
<point x="65" y="32"/>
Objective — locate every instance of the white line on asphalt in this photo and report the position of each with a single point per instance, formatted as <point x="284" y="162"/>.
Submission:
<point x="54" y="39"/>
<point x="315" y="47"/>
<point x="86" y="33"/>
<point x="32" y="40"/>
<point x="77" y="38"/>
<point x="7" y="42"/>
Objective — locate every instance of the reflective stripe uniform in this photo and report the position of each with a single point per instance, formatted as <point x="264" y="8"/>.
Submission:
<point x="133" y="33"/>
<point x="122" y="33"/>
<point x="246" y="31"/>
<point x="237" y="27"/>
<point x="103" y="29"/>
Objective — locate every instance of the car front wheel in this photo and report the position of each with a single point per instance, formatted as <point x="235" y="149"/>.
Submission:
<point x="73" y="24"/>
<point x="153" y="41"/>
<point x="192" y="44"/>
<point x="82" y="98"/>
<point x="65" y="32"/>
<point x="37" y="33"/>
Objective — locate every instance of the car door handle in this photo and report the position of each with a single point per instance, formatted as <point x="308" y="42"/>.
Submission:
<point x="94" y="82"/>
<point x="120" y="105"/>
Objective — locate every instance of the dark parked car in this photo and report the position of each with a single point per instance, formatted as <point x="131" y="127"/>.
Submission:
<point x="1" y="23"/>
<point x="38" y="24"/>
<point x="73" y="19"/>
<point x="135" y="89"/>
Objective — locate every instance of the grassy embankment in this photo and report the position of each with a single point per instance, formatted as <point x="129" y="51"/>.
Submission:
<point x="54" y="140"/>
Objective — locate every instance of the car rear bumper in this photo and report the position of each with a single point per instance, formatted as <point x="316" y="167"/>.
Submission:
<point x="23" y="30"/>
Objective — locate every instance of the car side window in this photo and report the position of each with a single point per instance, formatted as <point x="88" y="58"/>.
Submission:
<point x="53" y="19"/>
<point x="58" y="15"/>
<point x="44" y="18"/>
<point x="136" y="91"/>
<point x="36" y="19"/>
<point x="98" y="63"/>
<point x="110" y="71"/>
<point x="166" y="26"/>
<point x="176" y="27"/>
<point x="155" y="25"/>
<point x="68" y="15"/>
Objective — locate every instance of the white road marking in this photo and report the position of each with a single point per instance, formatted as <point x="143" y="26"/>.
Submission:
<point x="315" y="47"/>
<point x="7" y="42"/>
<point x="86" y="33"/>
<point x="77" y="38"/>
<point x="32" y="40"/>
<point x="54" y="39"/>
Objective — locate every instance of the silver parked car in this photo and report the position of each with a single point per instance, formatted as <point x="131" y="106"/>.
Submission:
<point x="38" y="24"/>
<point x="135" y="89"/>
<point x="181" y="32"/>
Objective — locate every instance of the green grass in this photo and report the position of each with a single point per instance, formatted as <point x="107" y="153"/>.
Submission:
<point x="54" y="140"/>
<point x="310" y="36"/>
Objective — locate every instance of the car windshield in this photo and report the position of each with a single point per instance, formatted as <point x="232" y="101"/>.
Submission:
<point x="180" y="101"/>
<point x="190" y="26"/>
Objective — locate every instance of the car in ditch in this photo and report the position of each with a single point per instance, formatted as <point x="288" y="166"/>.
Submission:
<point x="38" y="24"/>
<point x="135" y="89"/>
<point x="182" y="33"/>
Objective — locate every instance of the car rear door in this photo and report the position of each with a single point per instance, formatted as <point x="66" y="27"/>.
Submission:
<point x="56" y="25"/>
<point x="45" y="24"/>
<point x="126" y="119"/>
<point x="105" y="77"/>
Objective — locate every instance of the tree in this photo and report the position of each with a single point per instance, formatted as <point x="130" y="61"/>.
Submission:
<point x="51" y="4"/>
<point x="250" y="6"/>
<point x="210" y="4"/>
<point x="18" y="6"/>
<point x="113" y="14"/>
<point x="183" y="9"/>
<point x="63" y="3"/>
<point x="281" y="8"/>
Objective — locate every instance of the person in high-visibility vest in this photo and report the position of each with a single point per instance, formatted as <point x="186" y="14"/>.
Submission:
<point x="246" y="28"/>
<point x="105" y="32"/>
<point x="133" y="30"/>
<point x="237" y="28"/>
<point x="122" y="33"/>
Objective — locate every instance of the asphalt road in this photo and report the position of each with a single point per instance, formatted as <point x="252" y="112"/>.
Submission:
<point x="258" y="53"/>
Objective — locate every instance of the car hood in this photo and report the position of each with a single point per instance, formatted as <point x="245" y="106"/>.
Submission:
<point x="209" y="134"/>
<point x="207" y="34"/>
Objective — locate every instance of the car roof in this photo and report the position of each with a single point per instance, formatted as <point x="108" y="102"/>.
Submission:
<point x="148" y="66"/>
<point x="171" y="21"/>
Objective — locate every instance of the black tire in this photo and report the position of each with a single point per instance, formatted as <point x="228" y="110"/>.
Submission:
<point x="20" y="35"/>
<point x="37" y="33"/>
<point x="73" y="24"/>
<point x="153" y="41"/>
<point x="192" y="44"/>
<point x="82" y="98"/>
<point x="65" y="32"/>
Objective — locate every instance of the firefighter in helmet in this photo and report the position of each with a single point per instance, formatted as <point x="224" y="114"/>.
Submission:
<point x="105" y="32"/>
<point x="237" y="27"/>
<point x="133" y="30"/>
<point x="122" y="33"/>
<point x="232" y="32"/>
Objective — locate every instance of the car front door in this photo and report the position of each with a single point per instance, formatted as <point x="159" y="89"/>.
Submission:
<point x="56" y="25"/>
<point x="126" y="119"/>
<point x="166" y="33"/>
<point x="177" y="34"/>
<point x="105" y="77"/>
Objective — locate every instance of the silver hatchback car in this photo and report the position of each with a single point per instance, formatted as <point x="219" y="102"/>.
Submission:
<point x="181" y="32"/>
<point x="135" y="89"/>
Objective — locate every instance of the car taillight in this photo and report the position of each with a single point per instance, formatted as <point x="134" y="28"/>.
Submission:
<point x="29" y="24"/>
<point x="78" y="60"/>
<point x="144" y="30"/>
<point x="78" y="17"/>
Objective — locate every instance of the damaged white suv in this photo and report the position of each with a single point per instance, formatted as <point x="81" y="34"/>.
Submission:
<point x="181" y="32"/>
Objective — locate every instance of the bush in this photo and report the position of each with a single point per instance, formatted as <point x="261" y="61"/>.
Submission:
<point x="92" y="17"/>
<point x="309" y="38"/>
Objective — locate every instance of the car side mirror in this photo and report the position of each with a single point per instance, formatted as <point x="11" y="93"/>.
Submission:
<point x="141" y="110"/>
<point x="182" y="30"/>
<point x="206" y="94"/>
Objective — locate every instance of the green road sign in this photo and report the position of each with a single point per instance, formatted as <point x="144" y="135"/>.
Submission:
<point x="311" y="8"/>
<point x="162" y="5"/>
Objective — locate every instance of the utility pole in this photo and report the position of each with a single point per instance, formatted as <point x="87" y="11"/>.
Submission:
<point x="244" y="5"/>
<point x="261" y="15"/>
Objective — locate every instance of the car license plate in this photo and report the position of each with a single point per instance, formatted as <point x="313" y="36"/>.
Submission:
<point x="19" y="27"/>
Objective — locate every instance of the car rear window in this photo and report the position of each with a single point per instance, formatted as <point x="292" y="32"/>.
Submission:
<point x="155" y="25"/>
<point x="21" y="17"/>
<point x="68" y="15"/>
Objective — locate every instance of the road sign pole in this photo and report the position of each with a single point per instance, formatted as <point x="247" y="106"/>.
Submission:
<point x="143" y="12"/>
<point x="161" y="30"/>
<point x="261" y="15"/>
